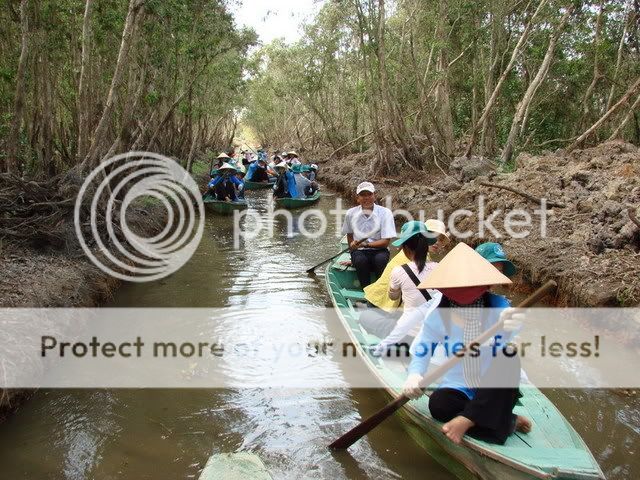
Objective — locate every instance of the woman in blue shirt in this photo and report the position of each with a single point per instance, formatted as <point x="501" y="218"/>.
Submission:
<point x="478" y="394"/>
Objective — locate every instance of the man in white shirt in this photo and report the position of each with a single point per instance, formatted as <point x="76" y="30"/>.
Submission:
<point x="369" y="229"/>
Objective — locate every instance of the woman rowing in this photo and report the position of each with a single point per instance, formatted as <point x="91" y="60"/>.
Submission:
<point x="477" y="395"/>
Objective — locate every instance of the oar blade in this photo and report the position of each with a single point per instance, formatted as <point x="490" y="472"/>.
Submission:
<point x="360" y="430"/>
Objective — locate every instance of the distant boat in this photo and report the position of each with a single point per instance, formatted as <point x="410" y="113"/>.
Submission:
<point x="223" y="207"/>
<point x="291" y="203"/>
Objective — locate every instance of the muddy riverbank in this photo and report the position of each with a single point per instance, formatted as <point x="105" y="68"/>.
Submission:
<point x="59" y="278"/>
<point x="591" y="246"/>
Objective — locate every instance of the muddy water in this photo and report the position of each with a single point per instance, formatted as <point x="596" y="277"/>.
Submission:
<point x="157" y="434"/>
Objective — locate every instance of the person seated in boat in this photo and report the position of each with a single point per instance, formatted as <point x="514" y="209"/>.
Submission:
<point x="376" y="294"/>
<point x="221" y="159"/>
<point x="415" y="240"/>
<point x="312" y="173"/>
<point x="257" y="171"/>
<point x="494" y="254"/>
<point x="382" y="313"/>
<point x="262" y="155"/>
<point x="293" y="159"/>
<point x="285" y="186"/>
<point x="225" y="185"/>
<point x="369" y="229"/>
<point x="271" y="168"/>
<point x="246" y="157"/>
<point x="304" y="186"/>
<point x="478" y="394"/>
<point x="240" y="174"/>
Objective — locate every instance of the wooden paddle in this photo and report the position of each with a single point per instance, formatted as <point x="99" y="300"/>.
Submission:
<point x="310" y="270"/>
<point x="356" y="433"/>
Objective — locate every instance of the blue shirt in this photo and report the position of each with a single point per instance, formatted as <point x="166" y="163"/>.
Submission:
<point x="253" y="166"/>
<point x="434" y="332"/>
<point x="290" y="180"/>
<point x="232" y="178"/>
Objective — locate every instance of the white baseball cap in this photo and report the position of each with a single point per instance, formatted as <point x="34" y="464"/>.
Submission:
<point x="365" y="187"/>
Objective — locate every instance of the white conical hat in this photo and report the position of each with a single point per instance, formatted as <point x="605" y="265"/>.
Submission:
<point x="463" y="267"/>
<point x="223" y="155"/>
<point x="226" y="166"/>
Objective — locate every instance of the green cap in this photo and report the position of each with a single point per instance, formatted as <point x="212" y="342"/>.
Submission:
<point x="493" y="253"/>
<point x="410" y="229"/>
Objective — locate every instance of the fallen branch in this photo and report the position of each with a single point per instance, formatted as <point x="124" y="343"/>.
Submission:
<point x="524" y="194"/>
<point x="633" y="217"/>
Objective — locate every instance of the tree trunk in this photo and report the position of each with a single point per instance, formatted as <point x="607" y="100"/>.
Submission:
<point x="523" y="105"/>
<point x="99" y="138"/>
<point x="628" y="19"/>
<point x="626" y="119"/>
<point x="442" y="100"/>
<point x="633" y="89"/>
<point x="18" y="102"/>
<point x="585" y="105"/>
<point x="84" y="102"/>
<point x="514" y="55"/>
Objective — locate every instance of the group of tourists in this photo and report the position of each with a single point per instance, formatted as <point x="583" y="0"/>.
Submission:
<point x="414" y="300"/>
<point x="290" y="177"/>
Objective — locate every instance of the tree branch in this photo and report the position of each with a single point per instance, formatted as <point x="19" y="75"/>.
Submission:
<point x="528" y="196"/>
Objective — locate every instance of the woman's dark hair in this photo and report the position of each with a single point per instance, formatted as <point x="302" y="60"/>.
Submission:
<point x="419" y="245"/>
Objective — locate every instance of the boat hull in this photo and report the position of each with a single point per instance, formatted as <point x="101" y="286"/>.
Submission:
<point x="292" y="203"/>
<point x="223" y="208"/>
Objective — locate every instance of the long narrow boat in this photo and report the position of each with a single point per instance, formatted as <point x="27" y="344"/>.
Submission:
<point x="552" y="450"/>
<point x="222" y="207"/>
<point x="249" y="185"/>
<point x="291" y="203"/>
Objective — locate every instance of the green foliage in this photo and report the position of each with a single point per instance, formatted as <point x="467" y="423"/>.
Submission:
<point x="327" y="88"/>
<point x="187" y="52"/>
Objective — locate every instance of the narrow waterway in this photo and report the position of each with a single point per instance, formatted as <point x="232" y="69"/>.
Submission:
<point x="157" y="434"/>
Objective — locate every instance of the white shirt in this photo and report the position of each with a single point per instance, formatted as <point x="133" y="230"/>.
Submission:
<point x="376" y="225"/>
<point x="411" y="296"/>
<point x="415" y="307"/>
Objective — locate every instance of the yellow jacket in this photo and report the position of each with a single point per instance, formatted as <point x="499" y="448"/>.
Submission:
<point x="378" y="292"/>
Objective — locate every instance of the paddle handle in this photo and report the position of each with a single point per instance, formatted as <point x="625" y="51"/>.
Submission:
<point x="356" y="433"/>
<point x="310" y="270"/>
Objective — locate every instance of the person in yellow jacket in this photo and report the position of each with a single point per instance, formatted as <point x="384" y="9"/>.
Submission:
<point x="377" y="293"/>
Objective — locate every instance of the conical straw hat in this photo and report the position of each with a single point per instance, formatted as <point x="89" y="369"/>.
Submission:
<point x="463" y="267"/>
<point x="226" y="166"/>
<point x="223" y="155"/>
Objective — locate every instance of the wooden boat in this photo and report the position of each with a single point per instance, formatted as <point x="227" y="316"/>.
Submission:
<point x="222" y="207"/>
<point x="291" y="203"/>
<point x="552" y="450"/>
<point x="249" y="185"/>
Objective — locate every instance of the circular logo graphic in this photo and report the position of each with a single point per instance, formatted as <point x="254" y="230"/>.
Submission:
<point x="128" y="182"/>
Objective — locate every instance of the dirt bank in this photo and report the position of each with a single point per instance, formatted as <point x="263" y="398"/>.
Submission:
<point x="47" y="268"/>
<point x="591" y="246"/>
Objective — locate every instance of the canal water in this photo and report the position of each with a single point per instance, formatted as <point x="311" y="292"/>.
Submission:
<point x="158" y="434"/>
